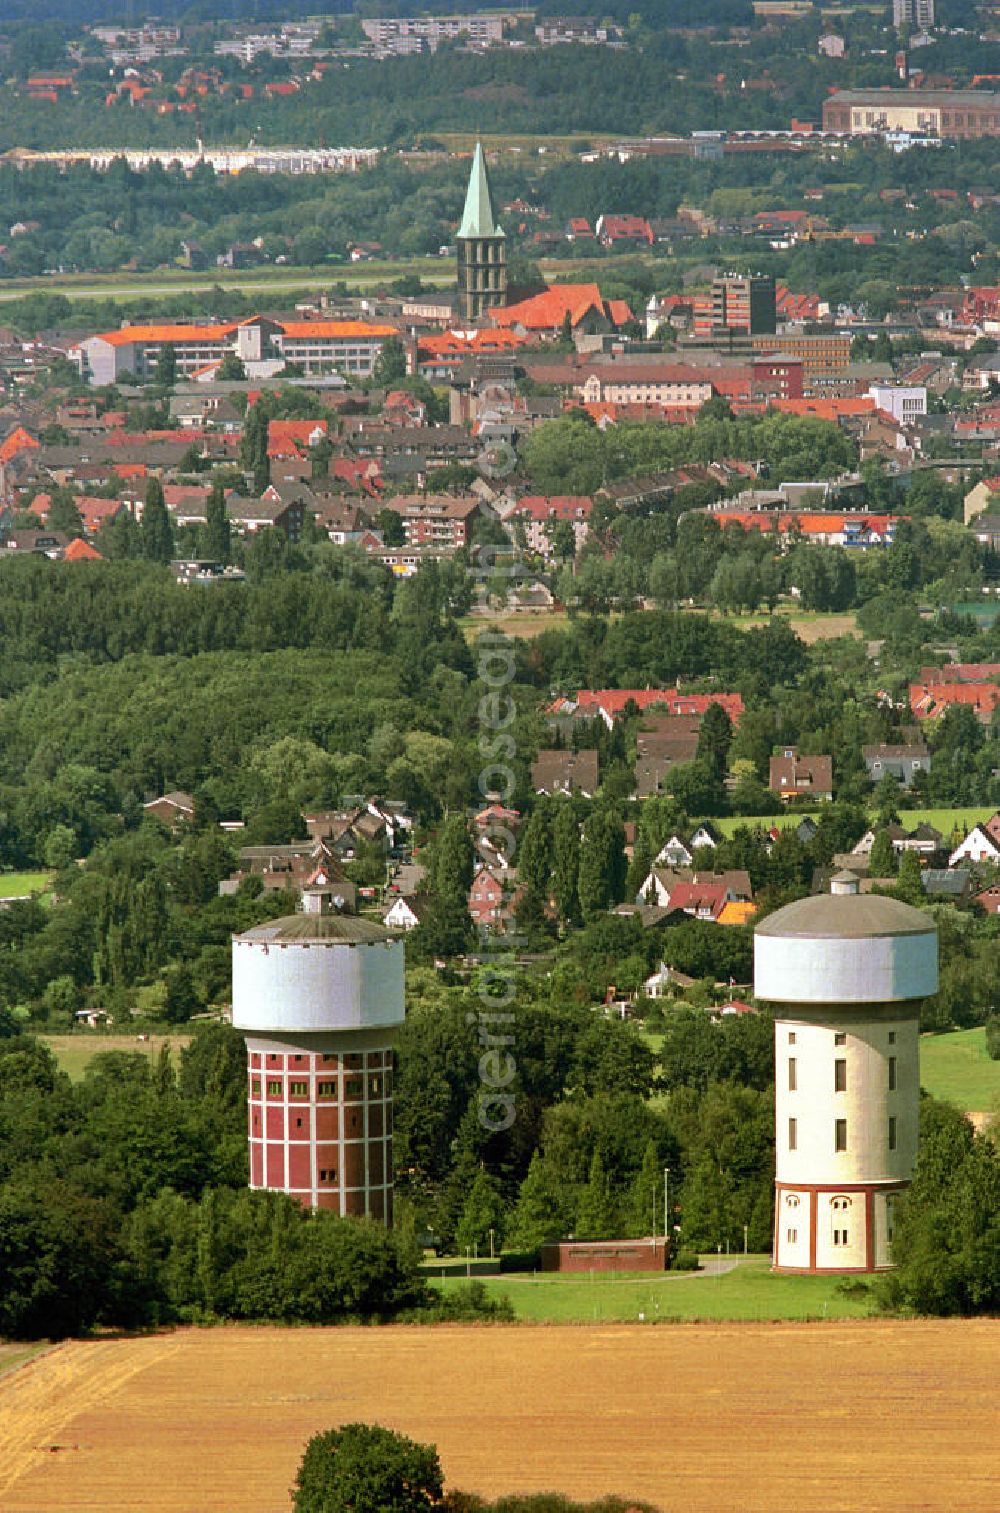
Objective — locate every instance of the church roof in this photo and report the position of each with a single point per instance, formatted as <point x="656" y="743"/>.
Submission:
<point x="477" y="217"/>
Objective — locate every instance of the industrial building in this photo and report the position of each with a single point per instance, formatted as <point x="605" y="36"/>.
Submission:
<point x="924" y="112"/>
<point x="319" y="998"/>
<point x="845" y="975"/>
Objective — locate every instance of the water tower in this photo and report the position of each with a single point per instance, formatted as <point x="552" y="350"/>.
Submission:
<point x="319" y="998"/>
<point x="845" y="976"/>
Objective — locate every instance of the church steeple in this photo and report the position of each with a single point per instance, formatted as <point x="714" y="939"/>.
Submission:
<point x="477" y="218"/>
<point x="482" y="258"/>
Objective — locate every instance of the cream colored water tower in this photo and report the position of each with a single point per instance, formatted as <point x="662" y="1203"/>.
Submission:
<point x="845" y="975"/>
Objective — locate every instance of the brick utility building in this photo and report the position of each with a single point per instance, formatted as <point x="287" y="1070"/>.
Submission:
<point x="845" y="975"/>
<point x="927" y="112"/>
<point x="319" y="998"/>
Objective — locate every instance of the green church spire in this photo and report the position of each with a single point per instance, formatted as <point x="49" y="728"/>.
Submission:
<point x="477" y="218"/>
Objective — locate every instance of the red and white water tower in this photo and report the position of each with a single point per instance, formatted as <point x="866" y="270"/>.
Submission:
<point x="319" y="998"/>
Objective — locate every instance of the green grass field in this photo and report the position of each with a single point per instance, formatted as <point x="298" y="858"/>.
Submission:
<point x="945" y="820"/>
<point x="752" y="1291"/>
<point x="957" y="1068"/>
<point x="17" y="884"/>
<point x="75" y="1052"/>
<point x="13" y="1355"/>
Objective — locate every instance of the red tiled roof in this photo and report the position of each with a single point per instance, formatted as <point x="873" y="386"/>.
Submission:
<point x="554" y="506"/>
<point x="547" y="311"/>
<point x="613" y="700"/>
<point x="81" y="551"/>
<point x="18" y="441"/>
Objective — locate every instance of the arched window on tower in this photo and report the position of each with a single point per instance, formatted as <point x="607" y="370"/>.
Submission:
<point x="840" y="1208"/>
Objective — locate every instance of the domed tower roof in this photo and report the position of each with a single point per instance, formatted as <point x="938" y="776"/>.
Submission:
<point x="846" y="949"/>
<point x="350" y="929"/>
<point x="846" y="916"/>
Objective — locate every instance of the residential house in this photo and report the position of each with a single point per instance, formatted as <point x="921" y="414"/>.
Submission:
<point x="555" y="772"/>
<point x="406" y="913"/>
<point x="537" y="514"/>
<point x="794" y="776"/>
<point x="900" y="762"/>
<point x="172" y="809"/>
<point x="680" y="888"/>
<point x="983" y="498"/>
<point x="929" y="701"/>
<point x="980" y="845"/>
<point x="487" y="907"/>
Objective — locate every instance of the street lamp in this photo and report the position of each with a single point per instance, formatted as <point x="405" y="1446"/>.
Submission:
<point x="666" y="1205"/>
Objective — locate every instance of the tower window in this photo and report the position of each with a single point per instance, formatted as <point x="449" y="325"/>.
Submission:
<point x="791" y="1074"/>
<point x="791" y="1235"/>
<point x="892" y="1074"/>
<point x="274" y="1089"/>
<point x="791" y="1037"/>
<point x="840" y="1134"/>
<point x="326" y="1089"/>
<point x="328" y="1174"/>
<point x="840" y="1038"/>
<point x="840" y="1237"/>
<point x="792" y="1134"/>
<point x="892" y="1132"/>
<point x="298" y="1089"/>
<point x="840" y="1075"/>
<point x="892" y="1037"/>
<point x="255" y="1087"/>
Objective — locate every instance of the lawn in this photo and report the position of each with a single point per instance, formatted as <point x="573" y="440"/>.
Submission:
<point x="752" y="1291"/>
<point x="20" y="884"/>
<point x="75" y="1052"/>
<point x="956" y="1067"/>
<point x="945" y="820"/>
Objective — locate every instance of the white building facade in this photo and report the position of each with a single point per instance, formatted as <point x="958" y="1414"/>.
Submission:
<point x="846" y="976"/>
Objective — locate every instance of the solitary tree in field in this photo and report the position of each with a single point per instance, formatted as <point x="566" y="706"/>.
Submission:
<point x="362" y="1468"/>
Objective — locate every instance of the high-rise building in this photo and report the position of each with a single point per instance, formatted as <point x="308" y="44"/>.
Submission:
<point x="744" y="305"/>
<point x="846" y="976"/>
<point x="918" y="14"/>
<point x="482" y="248"/>
<point x="319" y="998"/>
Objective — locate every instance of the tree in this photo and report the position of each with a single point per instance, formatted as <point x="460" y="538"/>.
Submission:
<point x="182" y="999"/>
<point x="646" y="1193"/>
<point x="538" y="1214"/>
<point x="947" y="1236"/>
<point x="596" y="1217"/>
<point x="603" y="866"/>
<point x="882" y="861"/>
<point x="482" y="1217"/>
<point x="715" y="737"/>
<point x="157" y="533"/>
<point x="363" y="1468"/>
<point x="390" y="364"/>
<point x="566" y="862"/>
<point x="215" y="544"/>
<point x="231" y="368"/>
<point x="390" y="524"/>
<point x="63" y="513"/>
<point x="909" y="886"/>
<point x="166" y="367"/>
<point x="253" y="447"/>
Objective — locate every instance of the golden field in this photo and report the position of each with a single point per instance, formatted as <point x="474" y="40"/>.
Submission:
<point x="873" y="1415"/>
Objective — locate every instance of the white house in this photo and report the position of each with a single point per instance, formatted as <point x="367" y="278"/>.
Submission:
<point x="403" y="914"/>
<point x="674" y="853"/>
<point x="978" y="846"/>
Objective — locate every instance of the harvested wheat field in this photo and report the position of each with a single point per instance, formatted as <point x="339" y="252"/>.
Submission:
<point x="886" y="1416"/>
